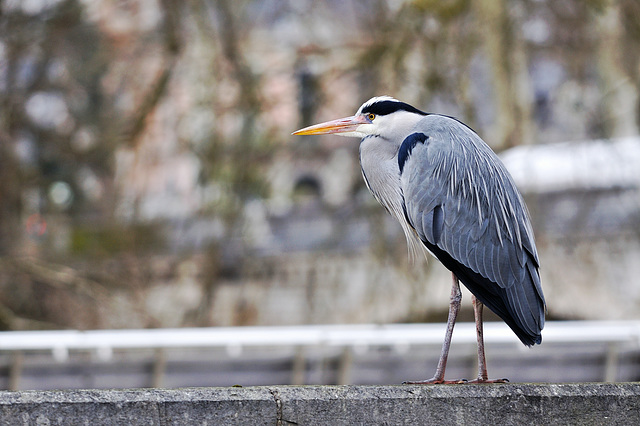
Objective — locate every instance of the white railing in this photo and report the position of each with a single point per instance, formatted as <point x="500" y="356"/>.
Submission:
<point x="616" y="341"/>
<point x="233" y="339"/>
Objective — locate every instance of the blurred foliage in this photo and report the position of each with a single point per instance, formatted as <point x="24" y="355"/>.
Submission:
<point x="107" y="241"/>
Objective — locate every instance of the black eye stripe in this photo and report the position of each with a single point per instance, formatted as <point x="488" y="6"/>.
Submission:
<point x="388" y="107"/>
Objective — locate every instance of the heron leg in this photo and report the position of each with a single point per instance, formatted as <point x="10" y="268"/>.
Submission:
<point x="454" y="307"/>
<point x="482" y="362"/>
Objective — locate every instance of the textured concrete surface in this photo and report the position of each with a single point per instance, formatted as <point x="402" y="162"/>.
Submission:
<point x="508" y="404"/>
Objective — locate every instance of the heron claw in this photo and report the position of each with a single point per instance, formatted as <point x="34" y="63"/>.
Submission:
<point x="436" y="381"/>
<point x="480" y="380"/>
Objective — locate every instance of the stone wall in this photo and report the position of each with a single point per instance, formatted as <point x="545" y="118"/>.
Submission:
<point x="508" y="404"/>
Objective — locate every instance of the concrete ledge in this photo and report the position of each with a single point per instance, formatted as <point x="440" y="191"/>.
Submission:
<point x="509" y="404"/>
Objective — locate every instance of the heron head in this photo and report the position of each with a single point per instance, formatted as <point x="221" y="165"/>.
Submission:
<point x="381" y="115"/>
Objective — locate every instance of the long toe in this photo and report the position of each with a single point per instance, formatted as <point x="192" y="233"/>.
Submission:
<point x="482" y="381"/>
<point x="435" y="381"/>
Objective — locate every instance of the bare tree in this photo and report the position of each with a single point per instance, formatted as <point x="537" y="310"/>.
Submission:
<point x="619" y="87"/>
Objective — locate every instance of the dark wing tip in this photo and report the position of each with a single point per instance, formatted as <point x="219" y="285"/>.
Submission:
<point x="491" y="295"/>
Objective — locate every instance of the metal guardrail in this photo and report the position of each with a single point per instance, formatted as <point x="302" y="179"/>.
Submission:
<point x="612" y="340"/>
<point x="233" y="339"/>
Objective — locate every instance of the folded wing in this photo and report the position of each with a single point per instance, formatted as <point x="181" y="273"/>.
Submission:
<point x="466" y="210"/>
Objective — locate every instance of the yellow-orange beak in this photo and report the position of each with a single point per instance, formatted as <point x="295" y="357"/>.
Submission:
<point x="341" y="125"/>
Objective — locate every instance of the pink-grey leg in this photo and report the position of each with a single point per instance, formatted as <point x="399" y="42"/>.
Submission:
<point x="454" y="308"/>
<point x="482" y="362"/>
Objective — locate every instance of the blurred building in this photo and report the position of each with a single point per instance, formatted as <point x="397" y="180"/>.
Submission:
<point x="149" y="179"/>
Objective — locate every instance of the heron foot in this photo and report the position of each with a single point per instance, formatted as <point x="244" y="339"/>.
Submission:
<point x="436" y="381"/>
<point x="481" y="380"/>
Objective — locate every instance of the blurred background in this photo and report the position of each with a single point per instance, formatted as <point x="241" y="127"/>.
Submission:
<point x="148" y="178"/>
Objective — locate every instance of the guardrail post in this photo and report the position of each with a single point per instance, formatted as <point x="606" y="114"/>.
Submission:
<point x="159" y="368"/>
<point x="298" y="369"/>
<point x="15" y="370"/>
<point x="611" y="362"/>
<point x="345" y="366"/>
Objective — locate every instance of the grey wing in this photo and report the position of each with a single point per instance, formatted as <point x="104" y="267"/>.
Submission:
<point x="464" y="206"/>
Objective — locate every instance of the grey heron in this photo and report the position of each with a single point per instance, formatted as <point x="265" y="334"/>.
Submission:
<point x="453" y="197"/>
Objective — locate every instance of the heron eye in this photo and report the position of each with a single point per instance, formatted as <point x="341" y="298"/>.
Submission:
<point x="371" y="116"/>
